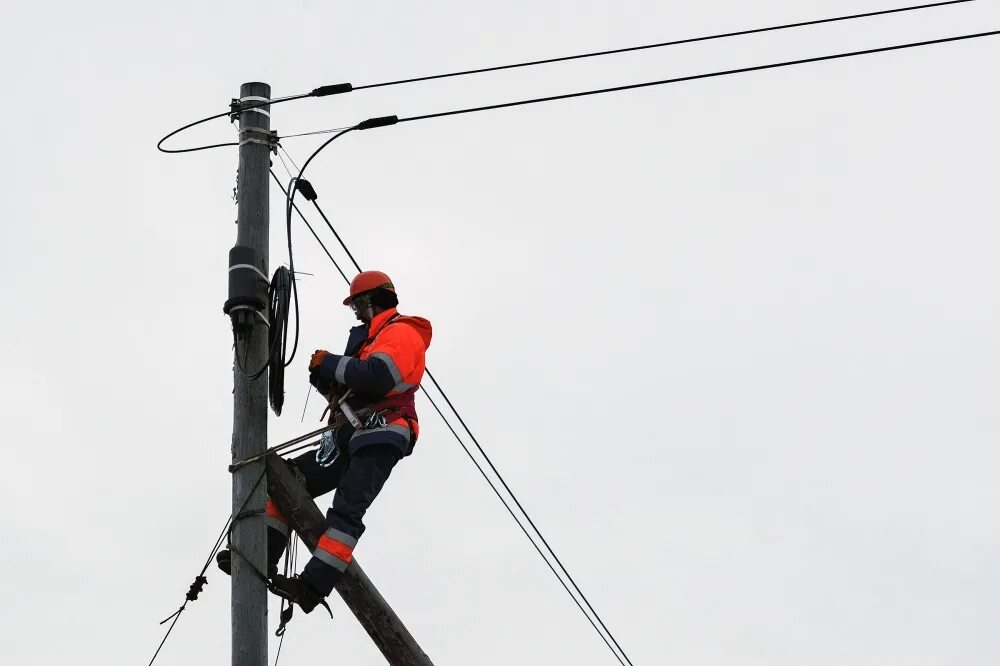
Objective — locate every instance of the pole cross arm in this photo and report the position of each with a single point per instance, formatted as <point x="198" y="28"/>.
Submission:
<point x="356" y="589"/>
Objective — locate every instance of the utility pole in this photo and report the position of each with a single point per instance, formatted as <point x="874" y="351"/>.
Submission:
<point x="249" y="541"/>
<point x="247" y="306"/>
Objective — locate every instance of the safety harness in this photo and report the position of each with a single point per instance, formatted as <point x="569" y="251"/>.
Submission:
<point x="378" y="412"/>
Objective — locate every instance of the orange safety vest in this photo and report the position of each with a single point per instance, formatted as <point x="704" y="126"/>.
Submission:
<point x="400" y="342"/>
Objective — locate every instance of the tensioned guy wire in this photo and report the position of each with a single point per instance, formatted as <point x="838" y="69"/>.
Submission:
<point x="341" y="88"/>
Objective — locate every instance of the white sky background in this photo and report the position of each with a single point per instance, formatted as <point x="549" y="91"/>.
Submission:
<point x="733" y="341"/>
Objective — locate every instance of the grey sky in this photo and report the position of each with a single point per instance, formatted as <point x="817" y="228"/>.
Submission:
<point x="733" y="341"/>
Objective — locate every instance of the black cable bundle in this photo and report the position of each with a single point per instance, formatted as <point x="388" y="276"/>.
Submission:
<point x="278" y="293"/>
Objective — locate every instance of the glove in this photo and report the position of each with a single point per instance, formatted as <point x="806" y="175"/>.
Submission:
<point x="317" y="358"/>
<point x="322" y="385"/>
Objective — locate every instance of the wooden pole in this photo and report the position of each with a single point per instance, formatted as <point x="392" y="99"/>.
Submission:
<point x="249" y="540"/>
<point x="372" y="610"/>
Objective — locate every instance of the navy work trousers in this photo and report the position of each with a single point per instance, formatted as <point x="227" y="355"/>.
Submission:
<point x="358" y="479"/>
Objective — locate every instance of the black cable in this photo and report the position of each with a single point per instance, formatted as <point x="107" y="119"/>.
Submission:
<point x="293" y="188"/>
<point x="676" y="42"/>
<point x="582" y="94"/>
<point x="278" y="292"/>
<point x="277" y="100"/>
<point x="177" y="614"/>
<point x="192" y="594"/>
<point x="309" y="226"/>
<point x="503" y="501"/>
<point x="500" y="477"/>
<point x="276" y="365"/>
<point x="339" y="240"/>
<point x="694" y="77"/>
<point x="339" y="88"/>
<point x="523" y="510"/>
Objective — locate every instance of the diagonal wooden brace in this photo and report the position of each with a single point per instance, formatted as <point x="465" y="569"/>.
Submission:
<point x="357" y="591"/>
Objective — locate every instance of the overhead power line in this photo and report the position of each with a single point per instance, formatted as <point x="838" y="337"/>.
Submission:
<point x="694" y="77"/>
<point x="385" y="121"/>
<point x="388" y="120"/>
<point x="657" y="45"/>
<point x="341" y="88"/>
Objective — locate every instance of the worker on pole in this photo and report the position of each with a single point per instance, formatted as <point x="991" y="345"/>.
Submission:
<point x="371" y="389"/>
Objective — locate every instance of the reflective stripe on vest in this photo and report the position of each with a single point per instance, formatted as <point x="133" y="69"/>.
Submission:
<point x="397" y="376"/>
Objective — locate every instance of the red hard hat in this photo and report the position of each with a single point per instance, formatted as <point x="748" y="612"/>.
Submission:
<point x="368" y="280"/>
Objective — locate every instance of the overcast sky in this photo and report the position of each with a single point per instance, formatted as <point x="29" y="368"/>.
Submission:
<point x="733" y="341"/>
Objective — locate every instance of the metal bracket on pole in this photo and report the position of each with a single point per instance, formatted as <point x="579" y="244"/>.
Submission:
<point x="236" y="106"/>
<point x="264" y="137"/>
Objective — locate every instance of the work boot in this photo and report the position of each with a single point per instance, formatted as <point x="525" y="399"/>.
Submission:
<point x="297" y="590"/>
<point x="224" y="559"/>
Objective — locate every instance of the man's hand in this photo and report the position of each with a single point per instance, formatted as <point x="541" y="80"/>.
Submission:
<point x="317" y="358"/>
<point x="323" y="386"/>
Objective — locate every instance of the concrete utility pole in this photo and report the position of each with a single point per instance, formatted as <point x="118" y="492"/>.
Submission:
<point x="372" y="610"/>
<point x="249" y="601"/>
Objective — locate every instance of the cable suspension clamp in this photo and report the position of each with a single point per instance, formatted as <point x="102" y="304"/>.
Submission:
<point x="264" y="137"/>
<point x="255" y="104"/>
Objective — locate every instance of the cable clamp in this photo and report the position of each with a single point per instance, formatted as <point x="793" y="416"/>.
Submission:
<point x="236" y="106"/>
<point x="306" y="189"/>
<point x="257" y="312"/>
<point x="259" y="135"/>
<point x="382" y="121"/>
<point x="335" y="89"/>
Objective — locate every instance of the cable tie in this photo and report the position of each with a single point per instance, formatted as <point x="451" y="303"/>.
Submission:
<point x="306" y="188"/>
<point x="334" y="89"/>
<point x="372" y="123"/>
<point x="251" y="267"/>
